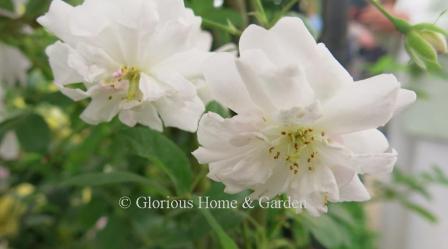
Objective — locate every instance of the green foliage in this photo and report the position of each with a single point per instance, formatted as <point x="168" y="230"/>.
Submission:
<point x="98" y="179"/>
<point x="225" y="241"/>
<point x="386" y="64"/>
<point x="327" y="231"/>
<point x="160" y="151"/>
<point x="31" y="129"/>
<point x="7" y="5"/>
<point x="35" y="137"/>
<point x="406" y="186"/>
<point x="215" y="107"/>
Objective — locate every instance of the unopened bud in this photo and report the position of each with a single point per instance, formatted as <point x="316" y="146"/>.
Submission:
<point x="437" y="40"/>
<point x="421" y="50"/>
<point x="435" y="35"/>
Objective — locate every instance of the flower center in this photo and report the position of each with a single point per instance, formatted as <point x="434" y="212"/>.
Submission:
<point x="132" y="75"/>
<point x="297" y="147"/>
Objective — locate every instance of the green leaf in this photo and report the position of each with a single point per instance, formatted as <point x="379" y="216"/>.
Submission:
<point x="33" y="134"/>
<point x="225" y="241"/>
<point x="165" y="154"/>
<point x="420" y="210"/>
<point x="31" y="129"/>
<point x="301" y="235"/>
<point x="7" y="5"/>
<point x="215" y="107"/>
<point x="115" y="235"/>
<point x="228" y="219"/>
<point x="98" y="179"/>
<point x="201" y="6"/>
<point x="36" y="8"/>
<point x="440" y="176"/>
<point x="327" y="231"/>
<point x="412" y="182"/>
<point x="343" y="215"/>
<point x="386" y="64"/>
<point x="9" y="123"/>
<point x="79" y="155"/>
<point x="117" y="177"/>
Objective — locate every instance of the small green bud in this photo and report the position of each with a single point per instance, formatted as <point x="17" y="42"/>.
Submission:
<point x="437" y="40"/>
<point x="430" y="27"/>
<point x="434" y="35"/>
<point x="421" y="50"/>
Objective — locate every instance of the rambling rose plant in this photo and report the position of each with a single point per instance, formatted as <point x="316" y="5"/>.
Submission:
<point x="303" y="126"/>
<point x="138" y="59"/>
<point x="301" y="135"/>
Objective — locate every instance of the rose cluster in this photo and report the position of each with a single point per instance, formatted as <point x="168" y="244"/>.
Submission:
<point x="302" y="126"/>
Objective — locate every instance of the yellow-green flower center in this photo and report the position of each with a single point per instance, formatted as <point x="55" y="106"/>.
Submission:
<point x="132" y="75"/>
<point x="297" y="147"/>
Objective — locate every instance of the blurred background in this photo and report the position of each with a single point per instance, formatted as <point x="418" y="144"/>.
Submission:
<point x="44" y="147"/>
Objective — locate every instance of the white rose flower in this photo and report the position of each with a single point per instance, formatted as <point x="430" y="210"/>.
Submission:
<point x="13" y="65"/>
<point x="13" y="69"/>
<point x="9" y="145"/>
<point x="303" y="126"/>
<point x="138" y="59"/>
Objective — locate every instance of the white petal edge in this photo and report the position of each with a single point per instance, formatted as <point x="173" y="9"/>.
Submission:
<point x="225" y="83"/>
<point x="181" y="113"/>
<point x="354" y="191"/>
<point x="367" y="141"/>
<point x="405" y="98"/>
<point x="367" y="104"/>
